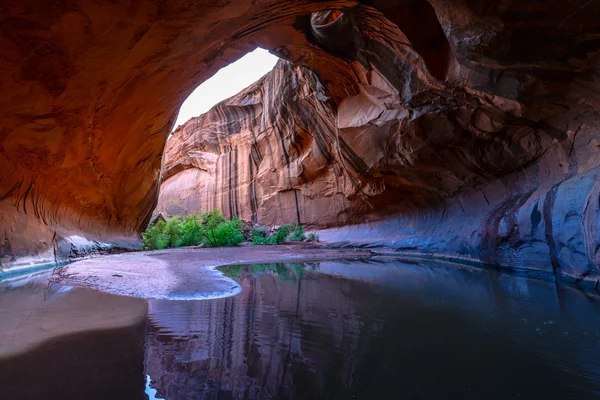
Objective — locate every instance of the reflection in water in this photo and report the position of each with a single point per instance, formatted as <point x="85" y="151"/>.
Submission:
<point x="67" y="343"/>
<point x="376" y="331"/>
<point x="325" y="330"/>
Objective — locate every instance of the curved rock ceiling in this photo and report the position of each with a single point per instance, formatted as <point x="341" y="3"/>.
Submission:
<point x="453" y="127"/>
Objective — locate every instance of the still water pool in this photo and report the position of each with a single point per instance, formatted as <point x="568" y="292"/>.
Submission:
<point x="321" y="330"/>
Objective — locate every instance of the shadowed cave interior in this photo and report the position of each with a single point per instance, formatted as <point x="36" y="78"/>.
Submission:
<point x="449" y="129"/>
<point x="446" y="152"/>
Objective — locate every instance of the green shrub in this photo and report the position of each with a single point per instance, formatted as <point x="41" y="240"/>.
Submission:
<point x="210" y="228"/>
<point x="212" y="218"/>
<point x="258" y="237"/>
<point x="173" y="231"/>
<point x="283" y="232"/>
<point x="280" y="235"/>
<point x="298" y="235"/>
<point x="224" y="234"/>
<point x="192" y="231"/>
<point x="155" y="237"/>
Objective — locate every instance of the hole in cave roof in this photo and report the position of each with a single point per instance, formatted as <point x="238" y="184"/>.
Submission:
<point x="228" y="82"/>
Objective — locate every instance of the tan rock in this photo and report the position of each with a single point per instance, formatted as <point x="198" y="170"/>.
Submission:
<point x="458" y="127"/>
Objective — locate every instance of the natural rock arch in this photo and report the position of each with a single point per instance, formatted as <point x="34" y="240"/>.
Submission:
<point x="487" y="98"/>
<point x="92" y="92"/>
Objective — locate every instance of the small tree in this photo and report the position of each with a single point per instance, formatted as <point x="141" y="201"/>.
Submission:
<point x="155" y="237"/>
<point x="220" y="232"/>
<point x="192" y="231"/>
<point x="173" y="231"/>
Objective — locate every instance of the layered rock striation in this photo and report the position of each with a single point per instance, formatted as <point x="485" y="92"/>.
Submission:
<point x="467" y="149"/>
<point x="453" y="128"/>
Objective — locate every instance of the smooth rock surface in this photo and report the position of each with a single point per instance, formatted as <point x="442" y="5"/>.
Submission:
<point x="493" y="156"/>
<point x="459" y="128"/>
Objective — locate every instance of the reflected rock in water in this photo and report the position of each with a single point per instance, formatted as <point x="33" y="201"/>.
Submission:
<point x="271" y="341"/>
<point x="369" y="330"/>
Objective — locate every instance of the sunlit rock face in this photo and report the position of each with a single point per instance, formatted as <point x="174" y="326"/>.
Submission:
<point x="266" y="155"/>
<point x="458" y="128"/>
<point x="469" y="146"/>
<point x="90" y="93"/>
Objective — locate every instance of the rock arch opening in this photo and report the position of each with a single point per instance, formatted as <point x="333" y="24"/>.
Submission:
<point x="227" y="82"/>
<point x="301" y="144"/>
<point x="360" y="124"/>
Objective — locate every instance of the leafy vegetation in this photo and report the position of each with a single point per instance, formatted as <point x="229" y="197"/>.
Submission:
<point x="191" y="230"/>
<point x="298" y="235"/>
<point x="259" y="237"/>
<point x="283" y="233"/>
<point x="155" y="237"/>
<point x="224" y="233"/>
<point x="210" y="229"/>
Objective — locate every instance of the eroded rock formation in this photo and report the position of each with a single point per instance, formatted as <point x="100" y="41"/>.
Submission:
<point x="481" y="154"/>
<point x="454" y="128"/>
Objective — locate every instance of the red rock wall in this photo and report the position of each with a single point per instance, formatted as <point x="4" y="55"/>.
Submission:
<point x="90" y="90"/>
<point x="453" y="127"/>
<point x="459" y="150"/>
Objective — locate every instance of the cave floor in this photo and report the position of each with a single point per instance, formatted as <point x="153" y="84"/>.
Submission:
<point x="185" y="273"/>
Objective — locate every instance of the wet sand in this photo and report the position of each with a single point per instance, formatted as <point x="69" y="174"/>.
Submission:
<point x="185" y="273"/>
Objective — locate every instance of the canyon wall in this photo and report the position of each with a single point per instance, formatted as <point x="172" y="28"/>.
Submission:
<point x="453" y="128"/>
<point x="88" y="96"/>
<point x="471" y="153"/>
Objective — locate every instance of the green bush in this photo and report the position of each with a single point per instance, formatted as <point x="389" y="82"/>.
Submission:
<point x="208" y="228"/>
<point x="212" y="229"/>
<point x="226" y="233"/>
<point x="283" y="232"/>
<point x="155" y="238"/>
<point x="192" y="231"/>
<point x="280" y="235"/>
<point x="173" y="231"/>
<point x="298" y="235"/>
<point x="258" y="237"/>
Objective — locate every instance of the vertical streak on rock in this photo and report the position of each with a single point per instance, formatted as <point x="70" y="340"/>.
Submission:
<point x="229" y="182"/>
<point x="252" y="189"/>
<point x="288" y="168"/>
<point x="547" y="212"/>
<point x="298" y="220"/>
<point x="216" y="188"/>
<point x="236" y="183"/>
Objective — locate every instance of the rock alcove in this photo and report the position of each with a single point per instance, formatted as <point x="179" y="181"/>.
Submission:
<point x="462" y="129"/>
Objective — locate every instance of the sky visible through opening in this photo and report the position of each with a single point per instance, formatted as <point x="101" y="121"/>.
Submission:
<point x="229" y="81"/>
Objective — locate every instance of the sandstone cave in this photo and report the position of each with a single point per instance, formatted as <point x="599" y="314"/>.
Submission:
<point x="460" y="136"/>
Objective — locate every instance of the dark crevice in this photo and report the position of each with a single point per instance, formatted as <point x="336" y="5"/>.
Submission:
<point x="547" y="212"/>
<point x="418" y="21"/>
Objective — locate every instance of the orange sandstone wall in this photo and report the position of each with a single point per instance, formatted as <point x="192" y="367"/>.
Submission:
<point x="458" y="150"/>
<point x="462" y="128"/>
